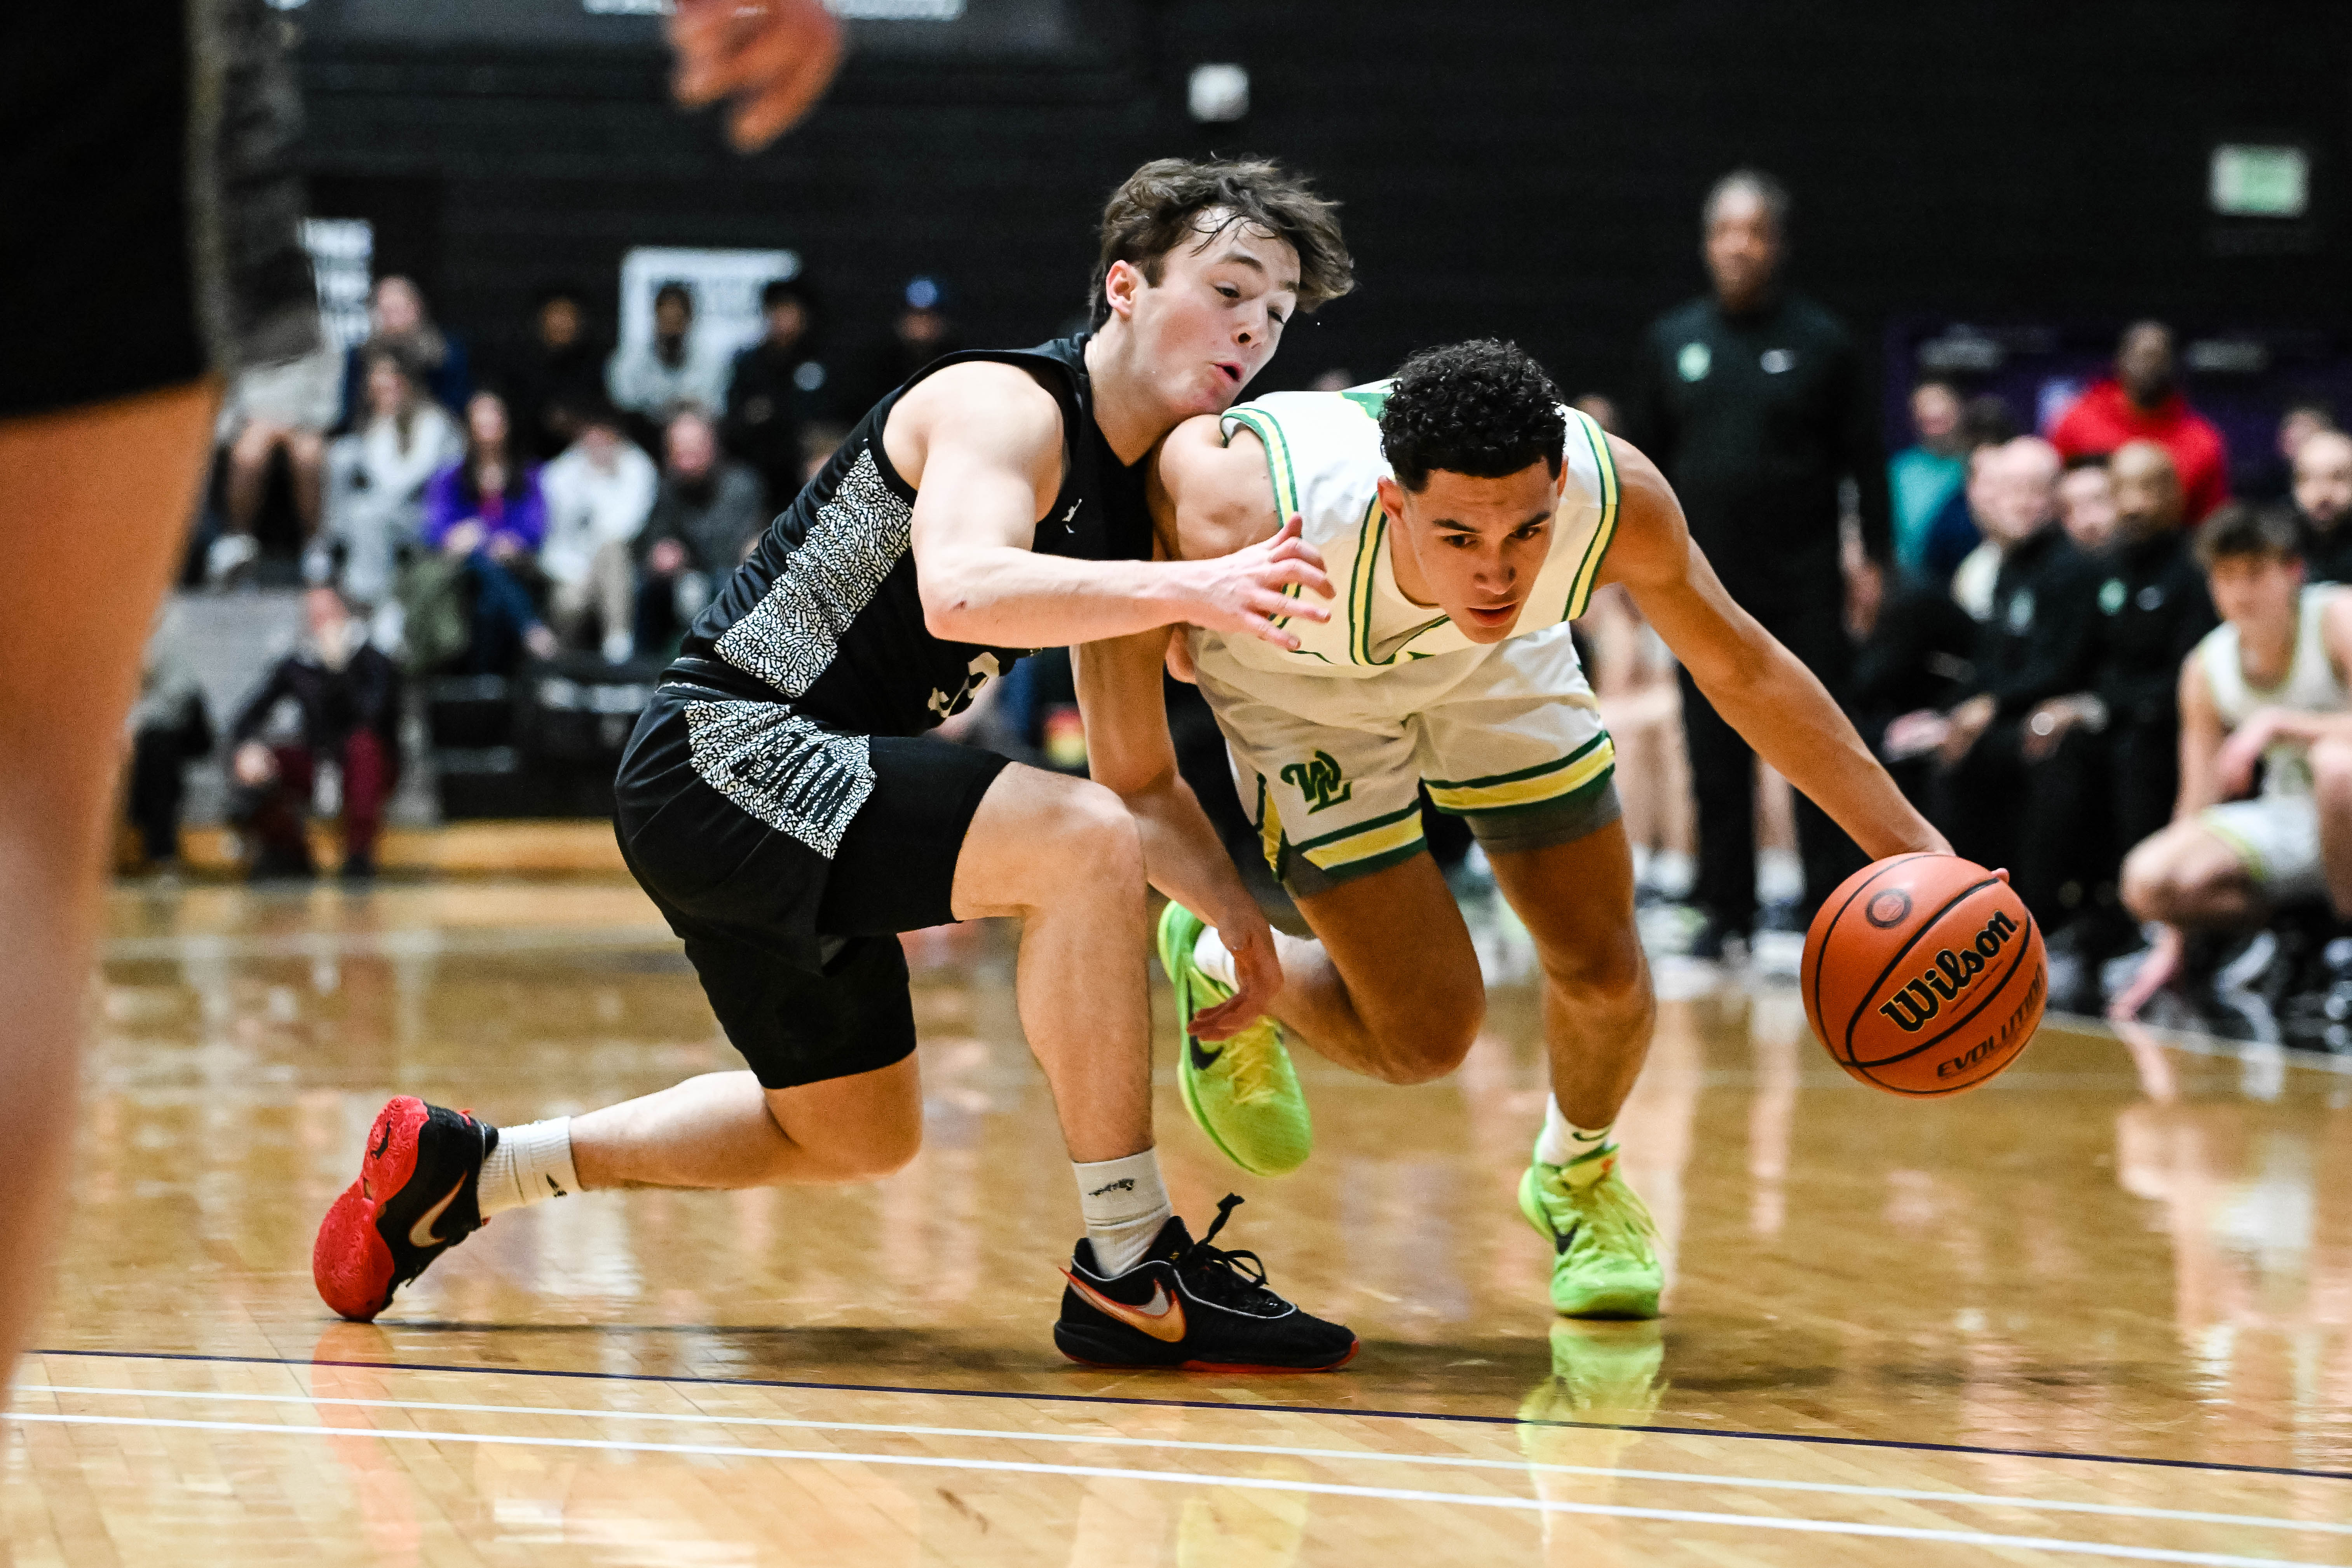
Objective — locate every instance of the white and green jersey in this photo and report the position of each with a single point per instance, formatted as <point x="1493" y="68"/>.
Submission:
<point x="1506" y="734"/>
<point x="1323" y="455"/>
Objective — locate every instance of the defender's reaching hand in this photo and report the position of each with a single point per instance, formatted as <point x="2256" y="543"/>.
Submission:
<point x="1243" y="592"/>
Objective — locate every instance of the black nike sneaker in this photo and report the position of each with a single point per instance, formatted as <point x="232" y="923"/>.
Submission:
<point x="416" y="1198"/>
<point x="1192" y="1306"/>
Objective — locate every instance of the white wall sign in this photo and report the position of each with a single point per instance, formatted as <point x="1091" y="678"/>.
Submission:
<point x="343" y="263"/>
<point x="726" y="285"/>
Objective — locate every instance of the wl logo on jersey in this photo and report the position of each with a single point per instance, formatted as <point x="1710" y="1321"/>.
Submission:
<point x="1918" y="1001"/>
<point x="1318" y="781"/>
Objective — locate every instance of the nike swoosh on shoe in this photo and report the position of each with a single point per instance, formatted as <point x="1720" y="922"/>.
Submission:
<point x="1562" y="1240"/>
<point x="1163" y="1317"/>
<point x="421" y="1234"/>
<point x="1203" y="1060"/>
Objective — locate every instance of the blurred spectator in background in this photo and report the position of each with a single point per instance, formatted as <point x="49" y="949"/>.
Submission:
<point x="2271" y="476"/>
<point x="1958" y="551"/>
<point x="280" y="408"/>
<point x="1752" y="402"/>
<point x="1597" y="407"/>
<point x="921" y="333"/>
<point x="468" y="607"/>
<point x="2264" y="690"/>
<point x="398" y="322"/>
<point x="652" y="380"/>
<point x="2322" y="498"/>
<point x="377" y="478"/>
<point x="170" y="728"/>
<point x="2034" y="644"/>
<point x="819" y="442"/>
<point x="348" y="693"/>
<point x="706" y="515"/>
<point x="777" y="388"/>
<point x="2142" y="402"/>
<point x="1927" y="474"/>
<point x="599" y="494"/>
<point x="2153" y="608"/>
<point x="2086" y="504"/>
<point x="561" y="374"/>
<point x="1913" y="652"/>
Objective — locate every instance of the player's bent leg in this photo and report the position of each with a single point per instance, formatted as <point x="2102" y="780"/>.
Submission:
<point x="92" y="506"/>
<point x="1576" y="898"/>
<point x="432" y="1176"/>
<point x="2189" y="875"/>
<point x="1065" y="856"/>
<point x="724" y="1131"/>
<point x="1390" y="985"/>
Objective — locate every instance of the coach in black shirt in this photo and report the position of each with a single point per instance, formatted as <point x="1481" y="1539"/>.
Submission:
<point x="1752" y="401"/>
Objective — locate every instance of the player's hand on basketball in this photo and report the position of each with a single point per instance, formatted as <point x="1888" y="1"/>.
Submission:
<point x="1258" y="969"/>
<point x="1243" y="592"/>
<point x="772" y="58"/>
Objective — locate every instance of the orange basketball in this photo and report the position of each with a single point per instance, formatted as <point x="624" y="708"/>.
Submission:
<point x="1924" y="975"/>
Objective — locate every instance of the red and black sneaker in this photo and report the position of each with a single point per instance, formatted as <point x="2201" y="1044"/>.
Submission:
<point x="415" y="1199"/>
<point x="1192" y="1306"/>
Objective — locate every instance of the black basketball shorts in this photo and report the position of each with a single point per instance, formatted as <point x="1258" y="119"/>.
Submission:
<point x="788" y="855"/>
<point x="150" y="199"/>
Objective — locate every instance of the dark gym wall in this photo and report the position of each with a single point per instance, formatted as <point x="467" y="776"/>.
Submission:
<point x="1531" y="167"/>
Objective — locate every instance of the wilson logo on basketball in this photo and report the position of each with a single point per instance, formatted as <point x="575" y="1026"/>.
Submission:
<point x="1920" y="999"/>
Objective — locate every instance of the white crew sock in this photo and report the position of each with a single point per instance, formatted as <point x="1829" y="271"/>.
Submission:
<point x="1210" y="956"/>
<point x="1125" y="1203"/>
<point x="1562" y="1142"/>
<point x="532" y="1163"/>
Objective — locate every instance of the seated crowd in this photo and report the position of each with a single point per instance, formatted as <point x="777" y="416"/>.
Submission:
<point x="2131" y="691"/>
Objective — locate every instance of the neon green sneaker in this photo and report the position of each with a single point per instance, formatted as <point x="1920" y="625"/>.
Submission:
<point x="1605" y="1264"/>
<point x="1242" y="1091"/>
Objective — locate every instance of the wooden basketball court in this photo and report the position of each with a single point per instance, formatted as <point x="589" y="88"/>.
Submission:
<point x="2103" y="1308"/>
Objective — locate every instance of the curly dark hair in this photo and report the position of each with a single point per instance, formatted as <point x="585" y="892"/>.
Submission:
<point x="1482" y="408"/>
<point x="1163" y="204"/>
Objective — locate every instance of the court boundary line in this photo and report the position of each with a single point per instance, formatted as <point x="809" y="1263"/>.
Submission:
<point x="1512" y="1501"/>
<point x="1269" y="1450"/>
<point x="1901" y="1445"/>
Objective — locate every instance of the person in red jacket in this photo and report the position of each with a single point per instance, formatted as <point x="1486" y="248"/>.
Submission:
<point x="2142" y="402"/>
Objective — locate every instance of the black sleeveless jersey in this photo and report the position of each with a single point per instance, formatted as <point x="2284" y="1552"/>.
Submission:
<point x="825" y="615"/>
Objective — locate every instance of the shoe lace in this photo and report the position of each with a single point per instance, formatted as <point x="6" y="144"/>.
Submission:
<point x="1234" y="1278"/>
<point x="1613" y="1218"/>
<point x="1257" y="1056"/>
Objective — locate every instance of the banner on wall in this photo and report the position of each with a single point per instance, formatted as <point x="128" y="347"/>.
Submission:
<point x="726" y="286"/>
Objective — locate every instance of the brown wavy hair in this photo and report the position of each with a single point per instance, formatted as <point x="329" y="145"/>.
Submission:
<point x="1170" y="200"/>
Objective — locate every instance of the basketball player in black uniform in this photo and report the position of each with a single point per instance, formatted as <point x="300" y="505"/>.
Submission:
<point x="781" y="803"/>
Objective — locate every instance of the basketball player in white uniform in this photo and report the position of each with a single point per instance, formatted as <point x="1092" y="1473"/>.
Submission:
<point x="1464" y="517"/>
<point x="2267" y="685"/>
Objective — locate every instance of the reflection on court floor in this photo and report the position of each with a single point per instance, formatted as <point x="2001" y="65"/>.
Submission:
<point x="2101" y="1309"/>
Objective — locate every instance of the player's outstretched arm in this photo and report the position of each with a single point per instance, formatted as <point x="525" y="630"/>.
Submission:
<point x="1761" y="689"/>
<point x="1128" y="751"/>
<point x="982" y="445"/>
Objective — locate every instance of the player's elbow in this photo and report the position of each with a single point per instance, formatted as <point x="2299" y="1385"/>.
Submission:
<point x="949" y="605"/>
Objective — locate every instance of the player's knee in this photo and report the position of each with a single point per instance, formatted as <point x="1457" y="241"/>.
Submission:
<point x="1100" y="843"/>
<point x="874" y="1153"/>
<point x="2331" y="771"/>
<point x="2155" y="884"/>
<point x="1608" y="971"/>
<point x="1435" y="1043"/>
